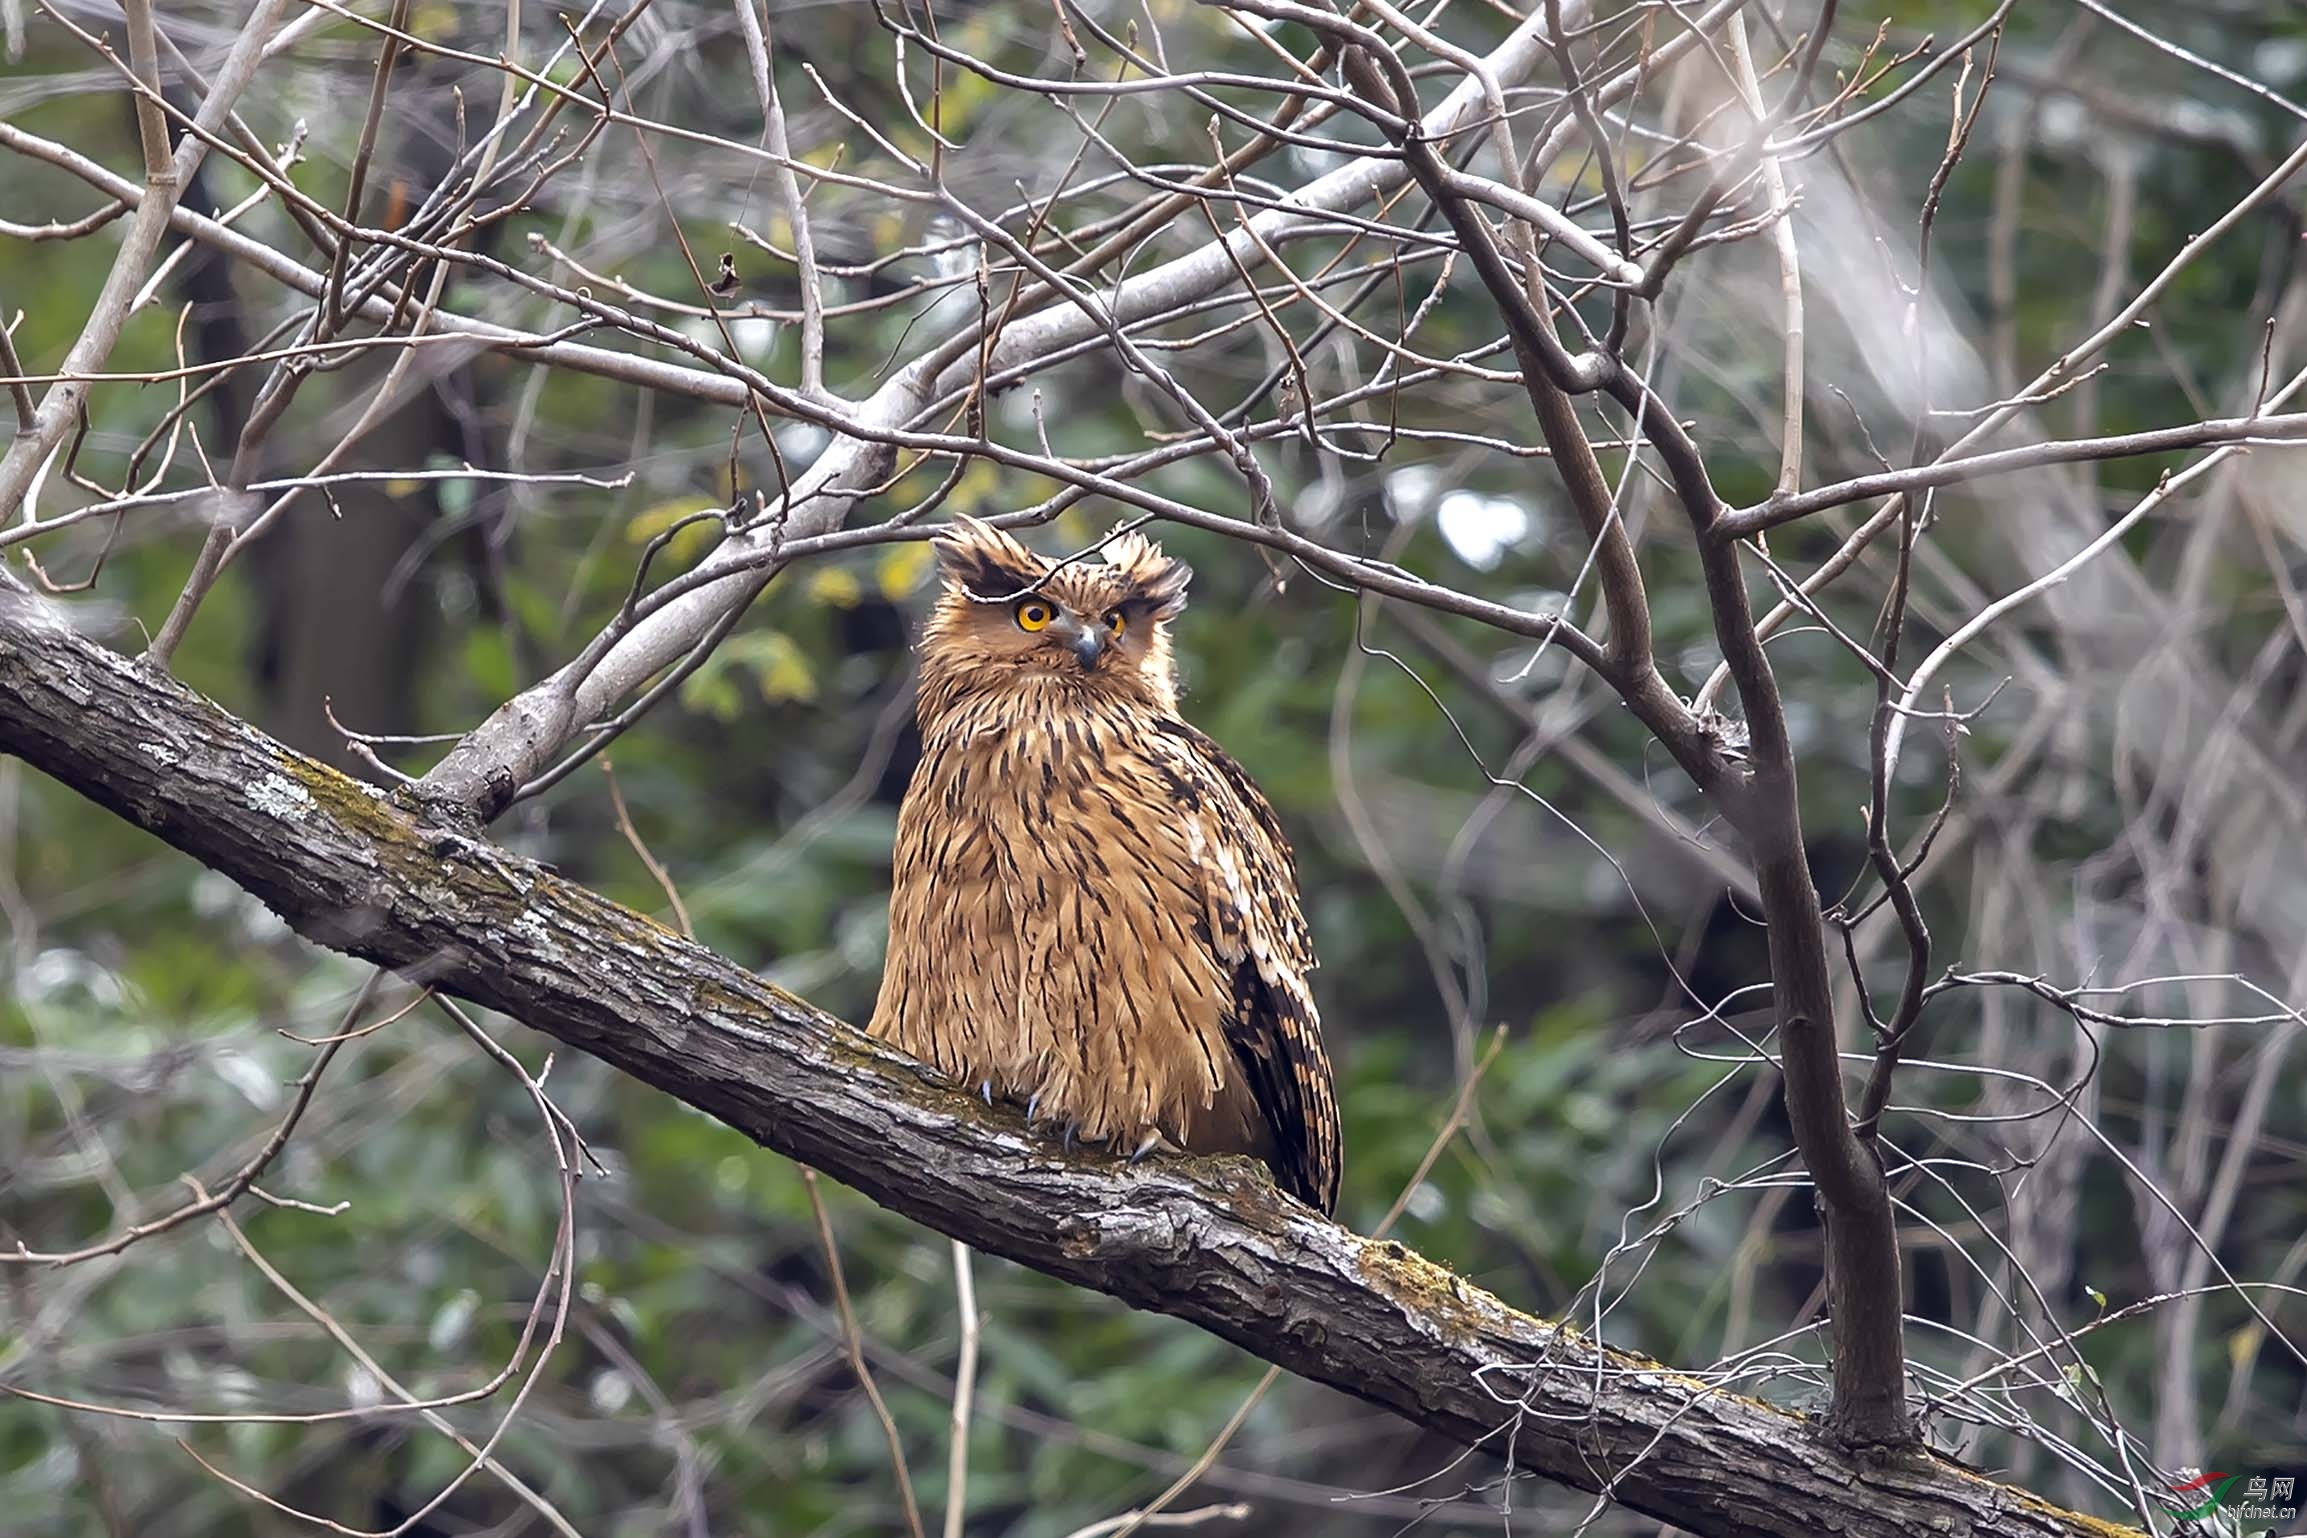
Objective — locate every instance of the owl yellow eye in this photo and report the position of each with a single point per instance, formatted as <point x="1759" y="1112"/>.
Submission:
<point x="1116" y="623"/>
<point x="1032" y="614"/>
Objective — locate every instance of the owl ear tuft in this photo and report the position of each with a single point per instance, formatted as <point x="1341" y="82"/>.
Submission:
<point x="1155" y="580"/>
<point x="981" y="562"/>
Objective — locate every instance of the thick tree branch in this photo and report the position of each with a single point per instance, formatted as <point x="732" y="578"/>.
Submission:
<point x="1207" y="1241"/>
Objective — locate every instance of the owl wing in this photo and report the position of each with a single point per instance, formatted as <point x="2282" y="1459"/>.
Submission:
<point x="1250" y="890"/>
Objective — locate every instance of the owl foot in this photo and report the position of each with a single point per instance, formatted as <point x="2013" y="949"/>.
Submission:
<point x="1148" y="1144"/>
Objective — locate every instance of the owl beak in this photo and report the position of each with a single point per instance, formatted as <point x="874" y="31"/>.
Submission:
<point x="1085" y="641"/>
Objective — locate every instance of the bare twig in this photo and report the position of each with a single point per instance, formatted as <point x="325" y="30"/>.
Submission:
<point x="60" y="406"/>
<point x="773" y="136"/>
<point x="1789" y="263"/>
<point x="964" y="1391"/>
<point x="852" y="1342"/>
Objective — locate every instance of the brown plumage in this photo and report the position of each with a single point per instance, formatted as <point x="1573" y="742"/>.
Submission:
<point x="1095" y="912"/>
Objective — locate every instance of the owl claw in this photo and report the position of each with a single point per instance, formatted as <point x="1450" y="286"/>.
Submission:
<point x="1070" y="1129"/>
<point x="1032" y="1106"/>
<point x="985" y="1088"/>
<point x="1151" y="1141"/>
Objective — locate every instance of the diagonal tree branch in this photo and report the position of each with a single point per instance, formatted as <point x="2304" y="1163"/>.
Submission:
<point x="1207" y="1241"/>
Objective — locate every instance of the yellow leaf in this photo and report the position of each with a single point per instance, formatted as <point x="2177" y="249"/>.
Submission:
<point x="901" y="568"/>
<point x="978" y="488"/>
<point x="434" y="23"/>
<point x="836" y="585"/>
<point x="709" y="691"/>
<point x="918" y="479"/>
<point x="784" y="670"/>
<point x="964" y="93"/>
<point x="650" y="522"/>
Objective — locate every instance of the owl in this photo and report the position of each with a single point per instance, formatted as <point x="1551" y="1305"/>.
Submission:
<point x="1095" y="912"/>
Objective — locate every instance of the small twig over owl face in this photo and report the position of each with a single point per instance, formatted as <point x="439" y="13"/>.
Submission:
<point x="1008" y="614"/>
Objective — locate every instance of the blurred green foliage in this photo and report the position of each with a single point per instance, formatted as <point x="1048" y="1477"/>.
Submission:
<point x="701" y="1386"/>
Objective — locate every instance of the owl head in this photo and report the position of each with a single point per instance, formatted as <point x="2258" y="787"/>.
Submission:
<point x="1007" y="616"/>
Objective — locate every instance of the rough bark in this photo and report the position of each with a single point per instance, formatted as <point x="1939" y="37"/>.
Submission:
<point x="1209" y="1241"/>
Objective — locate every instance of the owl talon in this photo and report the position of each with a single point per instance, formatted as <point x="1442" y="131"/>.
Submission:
<point x="1032" y="1108"/>
<point x="985" y="1088"/>
<point x="1151" y="1141"/>
<point x="1070" y="1129"/>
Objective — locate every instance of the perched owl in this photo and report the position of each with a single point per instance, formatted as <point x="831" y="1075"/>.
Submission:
<point x="1095" y="912"/>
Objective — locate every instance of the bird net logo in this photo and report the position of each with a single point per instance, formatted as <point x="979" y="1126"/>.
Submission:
<point x="2241" y="1498"/>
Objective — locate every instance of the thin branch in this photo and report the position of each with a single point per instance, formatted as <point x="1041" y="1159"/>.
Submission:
<point x="852" y="1342"/>
<point x="2282" y="428"/>
<point x="18" y="396"/>
<point x="155" y="201"/>
<point x="241" y="1180"/>
<point x="2112" y="535"/>
<point x="1789" y="264"/>
<point x="657" y="872"/>
<point x="789" y="192"/>
<point x="964" y="1391"/>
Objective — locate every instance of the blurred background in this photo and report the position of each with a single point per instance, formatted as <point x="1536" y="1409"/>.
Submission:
<point x="1519" y="899"/>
